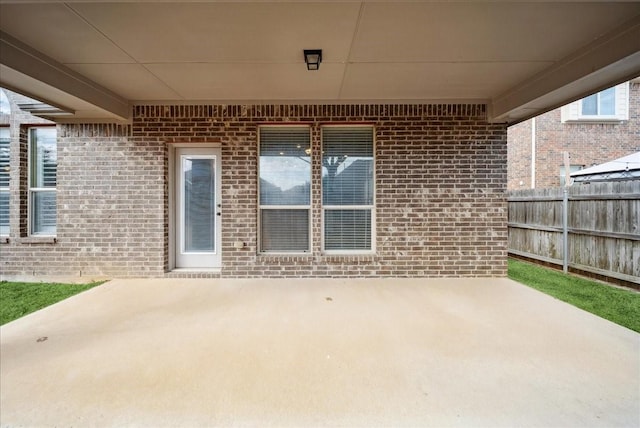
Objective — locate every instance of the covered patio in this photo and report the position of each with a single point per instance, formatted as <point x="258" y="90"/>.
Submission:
<point x="317" y="352"/>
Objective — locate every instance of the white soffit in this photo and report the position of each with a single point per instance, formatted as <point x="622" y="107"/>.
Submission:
<point x="250" y="82"/>
<point x="521" y="58"/>
<point x="445" y="81"/>
<point x="224" y="33"/>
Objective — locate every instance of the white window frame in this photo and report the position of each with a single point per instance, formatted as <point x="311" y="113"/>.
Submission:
<point x="572" y="112"/>
<point x="286" y="207"/>
<point x="33" y="190"/>
<point x="5" y="189"/>
<point x="5" y="104"/>
<point x="572" y="168"/>
<point x="371" y="208"/>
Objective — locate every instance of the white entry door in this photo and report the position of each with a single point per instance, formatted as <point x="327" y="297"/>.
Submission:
<point x="198" y="208"/>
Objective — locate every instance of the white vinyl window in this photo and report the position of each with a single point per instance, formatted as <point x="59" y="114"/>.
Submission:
<point x="563" y="175"/>
<point x="610" y="105"/>
<point x="348" y="203"/>
<point x="285" y="189"/>
<point x="43" y="165"/>
<point x="5" y="106"/>
<point x="4" y="180"/>
<point x="600" y="104"/>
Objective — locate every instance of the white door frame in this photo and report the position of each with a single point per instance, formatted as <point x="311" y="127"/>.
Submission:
<point x="174" y="201"/>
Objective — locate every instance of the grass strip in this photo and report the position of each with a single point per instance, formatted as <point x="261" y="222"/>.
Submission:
<point x="614" y="304"/>
<point x="18" y="299"/>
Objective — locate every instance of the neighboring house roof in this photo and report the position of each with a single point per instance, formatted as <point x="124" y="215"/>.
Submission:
<point x="624" y="168"/>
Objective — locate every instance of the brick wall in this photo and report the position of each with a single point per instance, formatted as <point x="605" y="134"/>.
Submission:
<point x="440" y="181"/>
<point x="587" y="143"/>
<point x="519" y="155"/>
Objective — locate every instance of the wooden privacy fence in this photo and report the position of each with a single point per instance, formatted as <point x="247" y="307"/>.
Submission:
<point x="590" y="227"/>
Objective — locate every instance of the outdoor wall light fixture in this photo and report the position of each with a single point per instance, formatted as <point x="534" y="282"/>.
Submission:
<point x="313" y="58"/>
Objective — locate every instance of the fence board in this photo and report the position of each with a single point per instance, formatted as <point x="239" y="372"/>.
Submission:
<point x="603" y="226"/>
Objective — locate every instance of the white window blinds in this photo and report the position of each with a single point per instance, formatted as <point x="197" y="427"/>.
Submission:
<point x="43" y="164"/>
<point x="285" y="189"/>
<point x="347" y="229"/>
<point x="284" y="230"/>
<point x="4" y="180"/>
<point x="348" y="188"/>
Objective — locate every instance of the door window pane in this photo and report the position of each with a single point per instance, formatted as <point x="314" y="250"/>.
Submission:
<point x="199" y="204"/>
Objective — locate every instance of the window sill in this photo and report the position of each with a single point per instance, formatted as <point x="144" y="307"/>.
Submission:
<point x="349" y="258"/>
<point x="38" y="240"/>
<point x="603" y="120"/>
<point x="4" y="240"/>
<point x="279" y="257"/>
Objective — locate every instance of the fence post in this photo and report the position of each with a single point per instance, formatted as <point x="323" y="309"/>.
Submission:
<point x="565" y="230"/>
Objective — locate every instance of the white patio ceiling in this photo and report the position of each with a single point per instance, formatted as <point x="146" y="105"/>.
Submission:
<point x="97" y="59"/>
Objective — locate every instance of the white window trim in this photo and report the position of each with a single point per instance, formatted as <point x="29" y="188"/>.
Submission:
<point x="6" y="190"/>
<point x="572" y="168"/>
<point x="33" y="190"/>
<point x="288" y="207"/>
<point x="372" y="207"/>
<point x="172" y="154"/>
<point x="572" y="112"/>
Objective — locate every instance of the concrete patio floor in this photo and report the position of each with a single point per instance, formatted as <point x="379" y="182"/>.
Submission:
<point x="374" y="352"/>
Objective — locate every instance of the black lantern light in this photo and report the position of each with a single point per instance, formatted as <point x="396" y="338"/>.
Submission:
<point x="313" y="58"/>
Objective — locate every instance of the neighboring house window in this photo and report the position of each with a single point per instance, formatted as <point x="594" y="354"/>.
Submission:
<point x="42" y="181"/>
<point x="610" y="105"/>
<point x="5" y="142"/>
<point x="601" y="104"/>
<point x="563" y="175"/>
<point x="348" y="189"/>
<point x="285" y="189"/>
<point x="5" y="106"/>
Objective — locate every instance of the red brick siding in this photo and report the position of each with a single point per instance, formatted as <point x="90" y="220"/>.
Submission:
<point x="440" y="181"/>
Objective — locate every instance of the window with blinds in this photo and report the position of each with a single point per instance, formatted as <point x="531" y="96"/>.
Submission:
<point x="4" y="180"/>
<point x="348" y="188"/>
<point x="285" y="189"/>
<point x="43" y="164"/>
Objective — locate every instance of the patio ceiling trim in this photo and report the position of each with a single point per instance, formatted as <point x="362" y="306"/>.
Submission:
<point x="24" y="60"/>
<point x="614" y="58"/>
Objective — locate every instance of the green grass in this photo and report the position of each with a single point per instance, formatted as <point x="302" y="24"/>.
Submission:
<point x="18" y="299"/>
<point x="614" y="304"/>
